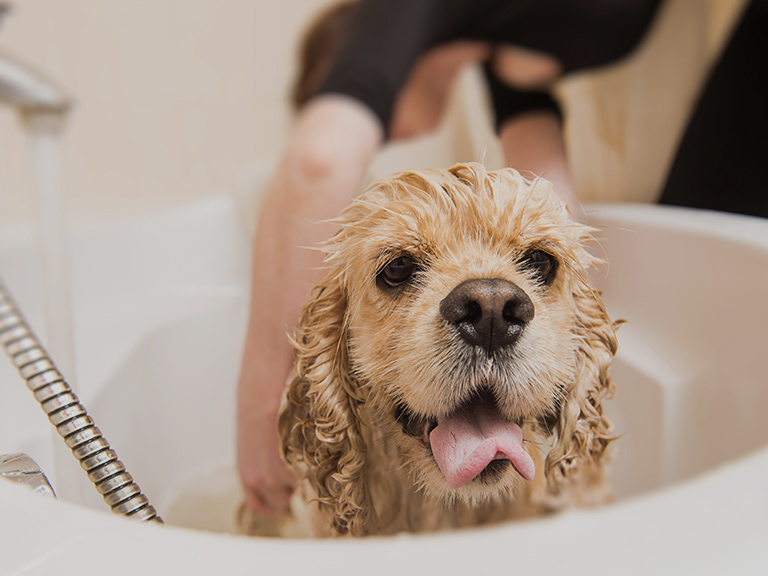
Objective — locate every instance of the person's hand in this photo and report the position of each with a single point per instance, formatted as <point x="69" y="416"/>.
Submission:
<point x="421" y="103"/>
<point x="525" y="69"/>
<point x="267" y="482"/>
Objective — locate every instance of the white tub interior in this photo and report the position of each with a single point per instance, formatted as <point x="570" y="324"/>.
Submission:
<point x="160" y="309"/>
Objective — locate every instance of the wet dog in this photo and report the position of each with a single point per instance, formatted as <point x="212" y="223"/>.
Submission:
<point x="452" y="365"/>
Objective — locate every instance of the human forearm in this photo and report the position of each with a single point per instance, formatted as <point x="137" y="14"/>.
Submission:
<point x="321" y="169"/>
<point x="533" y="142"/>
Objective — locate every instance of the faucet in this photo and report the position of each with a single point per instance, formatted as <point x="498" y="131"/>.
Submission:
<point x="26" y="89"/>
<point x="22" y="469"/>
<point x="43" y="107"/>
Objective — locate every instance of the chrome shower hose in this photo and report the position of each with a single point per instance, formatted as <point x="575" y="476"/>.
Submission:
<point x="68" y="415"/>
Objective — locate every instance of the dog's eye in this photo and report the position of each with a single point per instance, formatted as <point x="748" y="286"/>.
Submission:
<point x="398" y="271"/>
<point x="542" y="264"/>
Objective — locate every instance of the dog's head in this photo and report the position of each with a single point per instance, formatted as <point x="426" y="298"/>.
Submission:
<point x="457" y="318"/>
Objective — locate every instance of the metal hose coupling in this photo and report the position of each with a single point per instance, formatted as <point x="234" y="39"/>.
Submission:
<point x="68" y="415"/>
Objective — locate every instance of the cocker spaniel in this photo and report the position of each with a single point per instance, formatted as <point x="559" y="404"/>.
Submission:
<point x="452" y="365"/>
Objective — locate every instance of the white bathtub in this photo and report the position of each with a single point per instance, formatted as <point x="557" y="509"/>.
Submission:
<point x="160" y="307"/>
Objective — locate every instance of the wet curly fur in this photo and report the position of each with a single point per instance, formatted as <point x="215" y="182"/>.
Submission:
<point x="369" y="351"/>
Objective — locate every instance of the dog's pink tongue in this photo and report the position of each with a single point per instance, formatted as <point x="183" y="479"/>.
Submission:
<point x="466" y="442"/>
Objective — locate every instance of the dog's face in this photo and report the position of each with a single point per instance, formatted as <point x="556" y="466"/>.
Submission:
<point x="461" y="324"/>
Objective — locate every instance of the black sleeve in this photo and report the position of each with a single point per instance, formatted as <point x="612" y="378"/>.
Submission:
<point x="388" y="36"/>
<point x="385" y="40"/>
<point x="509" y="102"/>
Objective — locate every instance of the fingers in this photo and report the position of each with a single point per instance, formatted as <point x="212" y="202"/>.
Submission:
<point x="270" y="502"/>
<point x="266" y="480"/>
<point x="524" y="68"/>
<point x="268" y="483"/>
<point x="267" y="499"/>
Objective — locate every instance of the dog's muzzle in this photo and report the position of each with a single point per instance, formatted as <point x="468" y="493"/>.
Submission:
<point x="490" y="313"/>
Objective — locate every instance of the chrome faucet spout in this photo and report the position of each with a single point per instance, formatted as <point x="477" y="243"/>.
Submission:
<point x="27" y="90"/>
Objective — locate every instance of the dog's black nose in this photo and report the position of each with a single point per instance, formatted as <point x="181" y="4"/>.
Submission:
<point x="490" y="313"/>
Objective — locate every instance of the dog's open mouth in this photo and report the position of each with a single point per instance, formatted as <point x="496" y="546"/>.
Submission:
<point x="471" y="440"/>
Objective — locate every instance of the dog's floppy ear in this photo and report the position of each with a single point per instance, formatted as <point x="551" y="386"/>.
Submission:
<point x="582" y="432"/>
<point x="320" y="425"/>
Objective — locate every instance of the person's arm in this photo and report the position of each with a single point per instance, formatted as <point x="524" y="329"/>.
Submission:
<point x="528" y="118"/>
<point x="533" y="142"/>
<point x="330" y="148"/>
<point x="420" y="105"/>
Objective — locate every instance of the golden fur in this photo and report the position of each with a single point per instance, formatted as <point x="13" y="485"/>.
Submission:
<point x="364" y="350"/>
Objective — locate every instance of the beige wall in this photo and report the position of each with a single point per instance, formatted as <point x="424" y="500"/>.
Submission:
<point x="173" y="98"/>
<point x="177" y="99"/>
